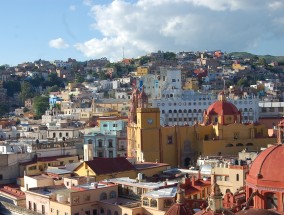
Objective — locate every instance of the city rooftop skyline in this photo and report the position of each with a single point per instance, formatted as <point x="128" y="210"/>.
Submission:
<point x="86" y="29"/>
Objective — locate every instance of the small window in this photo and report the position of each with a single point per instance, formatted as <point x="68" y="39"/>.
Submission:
<point x="112" y="194"/>
<point x="170" y="139"/>
<point x="145" y="201"/>
<point x="104" y="125"/>
<point x="153" y="203"/>
<point x="103" y="196"/>
<point x="237" y="177"/>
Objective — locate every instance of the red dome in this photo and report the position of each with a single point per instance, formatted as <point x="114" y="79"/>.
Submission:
<point x="268" y="168"/>
<point x="222" y="108"/>
<point x="179" y="209"/>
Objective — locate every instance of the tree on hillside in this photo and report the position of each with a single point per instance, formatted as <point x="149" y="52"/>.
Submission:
<point x="40" y="105"/>
<point x="12" y="87"/>
<point x="4" y="108"/>
<point x="27" y="91"/>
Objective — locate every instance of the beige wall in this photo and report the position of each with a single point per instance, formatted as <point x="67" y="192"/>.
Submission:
<point x="80" y="201"/>
<point x="230" y="177"/>
<point x="40" y="201"/>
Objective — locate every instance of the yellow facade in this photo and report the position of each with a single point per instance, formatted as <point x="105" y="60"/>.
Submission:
<point x="237" y="66"/>
<point x="191" y="84"/>
<point x="39" y="167"/>
<point x="142" y="70"/>
<point x="181" y="145"/>
<point x="84" y="170"/>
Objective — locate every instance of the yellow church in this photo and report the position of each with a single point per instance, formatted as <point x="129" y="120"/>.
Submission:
<point x="221" y="134"/>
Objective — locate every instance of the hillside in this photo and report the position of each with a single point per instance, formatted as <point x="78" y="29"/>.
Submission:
<point x="268" y="58"/>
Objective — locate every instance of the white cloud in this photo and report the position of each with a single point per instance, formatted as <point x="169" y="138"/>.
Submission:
<point x="72" y="7"/>
<point x="88" y="2"/>
<point x="58" y="43"/>
<point x="276" y="5"/>
<point x="143" y="26"/>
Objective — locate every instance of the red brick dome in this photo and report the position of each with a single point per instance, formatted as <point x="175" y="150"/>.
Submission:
<point x="268" y="168"/>
<point x="179" y="209"/>
<point x="222" y="108"/>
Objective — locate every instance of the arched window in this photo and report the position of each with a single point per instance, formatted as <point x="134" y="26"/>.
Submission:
<point x="250" y="110"/>
<point x="175" y="111"/>
<point x="170" y="111"/>
<point x="60" y="134"/>
<point x="194" y="110"/>
<point x="145" y="201"/>
<point x="199" y="111"/>
<point x="271" y="201"/>
<point x="54" y="134"/>
<point x="112" y="194"/>
<point x="116" y="213"/>
<point x="102" y="211"/>
<point x="185" y="111"/>
<point x="108" y="212"/>
<point x="103" y="196"/>
<point x="180" y="111"/>
<point x="239" y="144"/>
<point x="100" y="143"/>
<point x="110" y="143"/>
<point x="245" y="109"/>
<point x="189" y="111"/>
<point x="168" y="203"/>
<point x="90" y="141"/>
<point x="153" y="203"/>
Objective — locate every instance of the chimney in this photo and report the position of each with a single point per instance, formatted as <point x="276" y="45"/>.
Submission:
<point x="199" y="175"/>
<point x="193" y="180"/>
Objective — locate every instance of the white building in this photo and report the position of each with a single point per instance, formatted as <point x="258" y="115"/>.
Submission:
<point x="180" y="107"/>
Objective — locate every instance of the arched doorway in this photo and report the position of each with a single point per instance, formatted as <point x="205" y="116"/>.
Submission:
<point x="187" y="161"/>
<point x="271" y="201"/>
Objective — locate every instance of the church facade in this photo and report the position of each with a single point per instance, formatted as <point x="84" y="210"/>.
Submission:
<point x="221" y="133"/>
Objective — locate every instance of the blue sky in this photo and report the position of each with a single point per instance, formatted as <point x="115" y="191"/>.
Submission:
<point x="89" y="29"/>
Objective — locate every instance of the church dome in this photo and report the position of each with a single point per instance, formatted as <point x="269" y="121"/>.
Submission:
<point x="179" y="209"/>
<point x="267" y="168"/>
<point x="253" y="211"/>
<point x="222" y="107"/>
<point x="228" y="112"/>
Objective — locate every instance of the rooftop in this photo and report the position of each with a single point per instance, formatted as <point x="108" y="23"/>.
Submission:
<point x="162" y="193"/>
<point x="148" y="185"/>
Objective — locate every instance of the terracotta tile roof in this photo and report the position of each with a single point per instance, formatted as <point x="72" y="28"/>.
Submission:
<point x="12" y="190"/>
<point x="110" y="165"/>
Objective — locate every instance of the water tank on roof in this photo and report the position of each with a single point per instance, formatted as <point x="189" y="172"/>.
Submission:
<point x="61" y="198"/>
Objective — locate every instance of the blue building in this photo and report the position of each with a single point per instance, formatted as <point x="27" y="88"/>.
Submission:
<point x="110" y="139"/>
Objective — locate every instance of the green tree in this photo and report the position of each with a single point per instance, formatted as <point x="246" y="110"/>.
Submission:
<point x="79" y="78"/>
<point x="4" y="108"/>
<point x="27" y="91"/>
<point x="40" y="105"/>
<point x="54" y="88"/>
<point x="169" y="56"/>
<point x="12" y="87"/>
<point x="243" y="82"/>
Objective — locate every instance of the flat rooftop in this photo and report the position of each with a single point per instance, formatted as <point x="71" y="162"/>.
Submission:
<point x="132" y="182"/>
